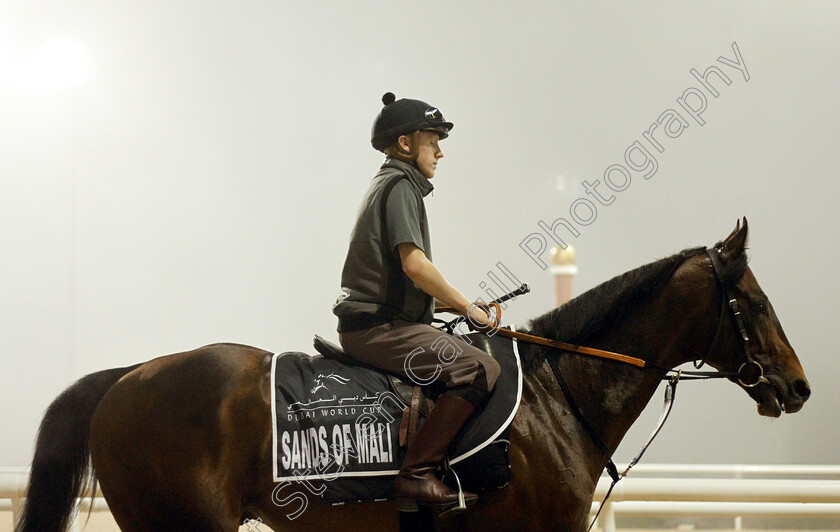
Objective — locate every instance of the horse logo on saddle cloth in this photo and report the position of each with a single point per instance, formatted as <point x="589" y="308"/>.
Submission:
<point x="342" y="427"/>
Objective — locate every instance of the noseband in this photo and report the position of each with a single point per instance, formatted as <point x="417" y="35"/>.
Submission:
<point x="750" y="373"/>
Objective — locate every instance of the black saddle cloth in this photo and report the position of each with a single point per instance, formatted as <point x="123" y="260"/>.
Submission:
<point x="336" y="426"/>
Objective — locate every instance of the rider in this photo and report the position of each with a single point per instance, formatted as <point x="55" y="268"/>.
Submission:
<point x="389" y="290"/>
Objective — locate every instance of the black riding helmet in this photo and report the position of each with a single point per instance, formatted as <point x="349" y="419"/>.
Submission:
<point x="404" y="116"/>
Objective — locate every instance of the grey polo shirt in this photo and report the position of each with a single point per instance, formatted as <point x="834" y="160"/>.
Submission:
<point x="375" y="290"/>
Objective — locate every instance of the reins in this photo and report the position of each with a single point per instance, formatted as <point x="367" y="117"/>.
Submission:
<point x="670" y="392"/>
<point x="753" y="371"/>
<point x="556" y="344"/>
<point x="617" y="357"/>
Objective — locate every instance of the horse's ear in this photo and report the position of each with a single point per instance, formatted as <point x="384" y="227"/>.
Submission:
<point x="734" y="231"/>
<point x="735" y="243"/>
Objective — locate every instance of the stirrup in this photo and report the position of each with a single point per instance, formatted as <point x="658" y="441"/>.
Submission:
<point x="408" y="504"/>
<point x="462" y="502"/>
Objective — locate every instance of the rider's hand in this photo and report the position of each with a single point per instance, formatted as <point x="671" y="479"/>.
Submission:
<point x="477" y="315"/>
<point x="481" y="319"/>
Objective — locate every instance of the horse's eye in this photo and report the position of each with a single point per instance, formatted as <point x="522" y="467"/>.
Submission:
<point x="759" y="307"/>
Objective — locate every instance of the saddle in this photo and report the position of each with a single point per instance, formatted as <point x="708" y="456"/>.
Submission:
<point x="345" y="425"/>
<point x="419" y="402"/>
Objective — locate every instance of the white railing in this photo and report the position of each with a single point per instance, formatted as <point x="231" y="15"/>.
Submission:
<point x="687" y="490"/>
<point x="816" y="492"/>
<point x="736" y="470"/>
<point x="13" y="491"/>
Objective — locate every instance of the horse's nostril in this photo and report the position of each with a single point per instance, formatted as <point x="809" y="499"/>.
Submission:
<point x="801" y="388"/>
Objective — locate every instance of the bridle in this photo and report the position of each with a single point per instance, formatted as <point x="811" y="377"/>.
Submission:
<point x="749" y="374"/>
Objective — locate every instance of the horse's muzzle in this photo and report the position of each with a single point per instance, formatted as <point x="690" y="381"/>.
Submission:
<point x="778" y="395"/>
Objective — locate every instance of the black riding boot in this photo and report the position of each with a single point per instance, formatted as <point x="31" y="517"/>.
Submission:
<point x="416" y="482"/>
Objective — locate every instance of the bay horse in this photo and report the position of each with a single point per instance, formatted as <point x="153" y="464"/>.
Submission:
<point x="184" y="442"/>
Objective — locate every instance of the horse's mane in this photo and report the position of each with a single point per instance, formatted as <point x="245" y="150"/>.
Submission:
<point x="590" y="314"/>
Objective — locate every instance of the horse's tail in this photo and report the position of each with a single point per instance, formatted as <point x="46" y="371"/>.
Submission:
<point x="61" y="467"/>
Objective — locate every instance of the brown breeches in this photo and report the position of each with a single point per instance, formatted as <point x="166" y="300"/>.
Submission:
<point x="425" y="355"/>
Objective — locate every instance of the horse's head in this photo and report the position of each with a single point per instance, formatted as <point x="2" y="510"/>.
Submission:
<point x="766" y="349"/>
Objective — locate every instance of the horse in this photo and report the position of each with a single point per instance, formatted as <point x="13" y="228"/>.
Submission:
<point x="184" y="442"/>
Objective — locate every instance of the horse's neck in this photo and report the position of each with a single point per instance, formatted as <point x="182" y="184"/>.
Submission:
<point x="549" y="444"/>
<point x="610" y="395"/>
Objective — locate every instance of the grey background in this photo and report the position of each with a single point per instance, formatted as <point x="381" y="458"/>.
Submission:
<point x="201" y="186"/>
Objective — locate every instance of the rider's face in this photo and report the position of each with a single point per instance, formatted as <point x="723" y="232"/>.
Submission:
<point x="428" y="152"/>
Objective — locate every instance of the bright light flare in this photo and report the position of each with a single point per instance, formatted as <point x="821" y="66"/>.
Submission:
<point x="61" y="64"/>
